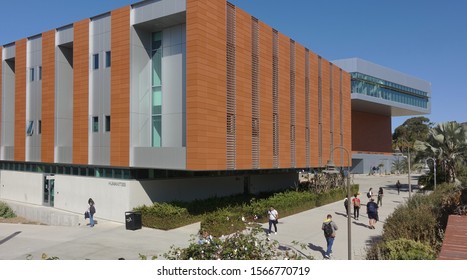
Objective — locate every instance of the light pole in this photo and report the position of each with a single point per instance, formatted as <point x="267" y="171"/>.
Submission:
<point x="330" y="168"/>
<point x="434" y="169"/>
<point x="408" y="165"/>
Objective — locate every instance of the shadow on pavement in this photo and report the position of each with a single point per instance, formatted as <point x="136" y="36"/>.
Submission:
<point x="361" y="224"/>
<point x="316" y="248"/>
<point x="9" y="237"/>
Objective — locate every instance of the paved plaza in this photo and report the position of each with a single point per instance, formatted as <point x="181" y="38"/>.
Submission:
<point x="110" y="240"/>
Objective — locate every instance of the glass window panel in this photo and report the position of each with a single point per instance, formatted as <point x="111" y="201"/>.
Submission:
<point x="156" y="131"/>
<point x="95" y="61"/>
<point x="107" y="59"/>
<point x="107" y="123"/>
<point x="95" y="124"/>
<point x="157" y="67"/>
<point x="30" y="128"/>
<point x="40" y="73"/>
<point x="156" y="101"/>
<point x="31" y="74"/>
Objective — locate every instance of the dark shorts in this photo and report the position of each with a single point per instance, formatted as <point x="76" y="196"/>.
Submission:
<point x="372" y="215"/>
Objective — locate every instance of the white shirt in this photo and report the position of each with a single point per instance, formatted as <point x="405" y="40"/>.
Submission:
<point x="272" y="214"/>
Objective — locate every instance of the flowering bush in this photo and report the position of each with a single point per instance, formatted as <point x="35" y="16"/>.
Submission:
<point x="246" y="245"/>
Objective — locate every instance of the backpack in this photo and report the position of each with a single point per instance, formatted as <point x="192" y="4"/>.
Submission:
<point x="368" y="194"/>
<point x="356" y="202"/>
<point x="328" y="229"/>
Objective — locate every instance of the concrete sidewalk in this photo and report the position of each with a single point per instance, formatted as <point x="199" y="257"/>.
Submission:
<point x="110" y="241"/>
<point x="305" y="227"/>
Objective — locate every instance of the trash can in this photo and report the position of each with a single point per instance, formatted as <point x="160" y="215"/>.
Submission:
<point x="133" y="220"/>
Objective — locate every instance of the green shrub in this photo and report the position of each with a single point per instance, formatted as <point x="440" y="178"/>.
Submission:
<point x="223" y="221"/>
<point x="402" y="249"/>
<point x="165" y="216"/>
<point x="6" y="211"/>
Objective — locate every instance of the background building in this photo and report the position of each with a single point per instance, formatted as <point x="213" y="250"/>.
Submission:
<point x="164" y="100"/>
<point x="379" y="93"/>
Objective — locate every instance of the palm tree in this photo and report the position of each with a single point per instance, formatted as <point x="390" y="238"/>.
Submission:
<point x="447" y="144"/>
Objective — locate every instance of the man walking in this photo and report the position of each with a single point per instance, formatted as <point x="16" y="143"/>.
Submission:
<point x="372" y="212"/>
<point x="329" y="228"/>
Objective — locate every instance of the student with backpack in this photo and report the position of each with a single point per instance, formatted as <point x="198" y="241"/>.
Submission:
<point x="356" y="206"/>
<point x="329" y="228"/>
<point x="372" y="212"/>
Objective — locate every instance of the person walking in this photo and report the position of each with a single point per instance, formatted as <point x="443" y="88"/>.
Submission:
<point x="380" y="197"/>
<point x="273" y="219"/>
<point x="329" y="228"/>
<point x="91" y="211"/>
<point x="369" y="194"/>
<point x="372" y="212"/>
<point x="398" y="186"/>
<point x="356" y="206"/>
<point x="346" y="206"/>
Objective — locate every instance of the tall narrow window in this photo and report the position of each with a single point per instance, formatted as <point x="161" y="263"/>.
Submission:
<point x="107" y="123"/>
<point x="31" y="74"/>
<point x="156" y="89"/>
<point x="95" y="61"/>
<point x="39" y="126"/>
<point x="95" y="124"/>
<point x="40" y="73"/>
<point x="108" y="57"/>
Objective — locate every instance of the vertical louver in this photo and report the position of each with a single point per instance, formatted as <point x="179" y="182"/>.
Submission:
<point x="292" y="103"/>
<point x="231" y="86"/>
<point x="307" y="108"/>
<point x="320" y="113"/>
<point x="255" y="93"/>
<point x="331" y="109"/>
<point x="275" y="98"/>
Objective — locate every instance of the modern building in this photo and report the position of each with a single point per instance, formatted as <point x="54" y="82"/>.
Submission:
<point x="164" y="100"/>
<point x="379" y="93"/>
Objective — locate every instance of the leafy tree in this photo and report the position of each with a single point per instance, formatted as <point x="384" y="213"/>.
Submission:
<point x="447" y="144"/>
<point x="411" y="130"/>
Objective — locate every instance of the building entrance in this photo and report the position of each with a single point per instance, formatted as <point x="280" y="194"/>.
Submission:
<point x="48" y="190"/>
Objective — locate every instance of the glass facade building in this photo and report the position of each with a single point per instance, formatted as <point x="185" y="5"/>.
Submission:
<point x="371" y="86"/>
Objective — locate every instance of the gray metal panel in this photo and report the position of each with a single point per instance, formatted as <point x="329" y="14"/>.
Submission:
<point x="9" y="51"/>
<point x="99" y="142"/>
<point x="63" y="104"/>
<point x="8" y="111"/>
<point x="65" y="35"/>
<point x="172" y="87"/>
<point x="140" y="89"/>
<point x="166" y="158"/>
<point x="34" y="98"/>
<point x="152" y="9"/>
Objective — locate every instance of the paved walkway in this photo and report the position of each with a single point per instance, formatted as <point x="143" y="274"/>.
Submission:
<point x="110" y="241"/>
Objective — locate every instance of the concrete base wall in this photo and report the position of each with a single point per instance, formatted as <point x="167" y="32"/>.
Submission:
<point x="114" y="197"/>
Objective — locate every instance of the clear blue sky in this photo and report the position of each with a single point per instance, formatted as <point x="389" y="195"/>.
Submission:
<point x="422" y="38"/>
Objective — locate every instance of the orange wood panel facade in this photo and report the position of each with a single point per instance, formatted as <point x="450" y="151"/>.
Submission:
<point x="314" y="111"/>
<point x="300" y="153"/>
<point x="244" y="90"/>
<point x="206" y="81"/>
<point x="371" y="132"/>
<point x="48" y="96"/>
<point x="20" y="100"/>
<point x="326" y="109"/>
<point x="1" y="86"/>
<point x="265" y="99"/>
<point x="120" y="87"/>
<point x="347" y="111"/>
<point x="284" y="101"/>
<point x="340" y="156"/>
<point x="81" y="92"/>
